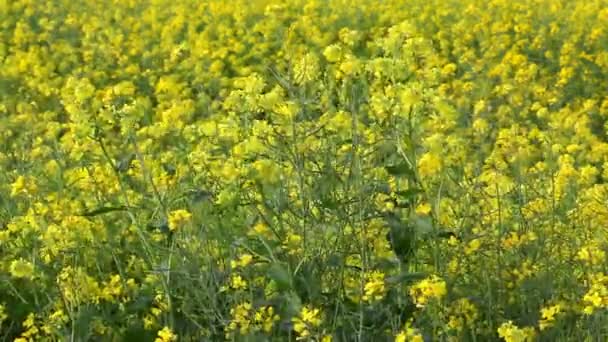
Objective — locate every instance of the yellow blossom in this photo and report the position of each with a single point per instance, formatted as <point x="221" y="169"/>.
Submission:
<point x="22" y="269"/>
<point x="165" y="335"/>
<point x="428" y="289"/>
<point x="429" y="165"/>
<point x="511" y="333"/>
<point x="305" y="323"/>
<point x="178" y="218"/>
<point x="374" y="288"/>
<point x="333" y="53"/>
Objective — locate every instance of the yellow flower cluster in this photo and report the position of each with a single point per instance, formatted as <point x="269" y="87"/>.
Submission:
<point x="374" y="288"/>
<point x="166" y="335"/>
<point x="245" y="320"/>
<point x="207" y="169"/>
<point x="426" y="290"/>
<point x="178" y="218"/>
<point x="509" y="332"/>
<point x="21" y="269"/>
<point x="549" y="315"/>
<point x="462" y="314"/>
<point x="308" y="320"/>
<point x="597" y="294"/>
<point x="409" y="334"/>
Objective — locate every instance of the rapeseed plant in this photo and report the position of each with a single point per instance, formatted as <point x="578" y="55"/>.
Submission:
<point x="304" y="170"/>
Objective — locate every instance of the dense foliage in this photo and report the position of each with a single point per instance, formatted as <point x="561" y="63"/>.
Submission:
<point x="253" y="170"/>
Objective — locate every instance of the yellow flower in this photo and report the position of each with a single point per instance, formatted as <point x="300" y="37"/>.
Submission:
<point x="597" y="295"/>
<point x="55" y="321"/>
<point x="267" y="171"/>
<point x="252" y="84"/>
<point x="306" y="69"/>
<point x="305" y="323"/>
<point x="480" y="126"/>
<point x="409" y="334"/>
<point x="238" y="283"/>
<point x="333" y="53"/>
<point x="18" y="186"/>
<point x="178" y="218"/>
<point x="31" y="331"/>
<point x="262" y="230"/>
<point x="77" y="286"/>
<point x="591" y="254"/>
<point x="293" y="244"/>
<point x="374" y="288"/>
<point x="423" y="208"/>
<point x="511" y="333"/>
<point x="472" y="246"/>
<point x="3" y="315"/>
<point x="287" y="110"/>
<point x="112" y="289"/>
<point x="22" y="269"/>
<point x="350" y="65"/>
<point x="271" y="99"/>
<point x="427" y="289"/>
<point x="166" y="335"/>
<point x="341" y="122"/>
<point x="327" y="338"/>
<point x="548" y="316"/>
<point x="463" y="314"/>
<point x="448" y="69"/>
<point x="348" y="37"/>
<point x="243" y="261"/>
<point x="241" y="320"/>
<point x="265" y="317"/>
<point x="23" y="185"/>
<point x="429" y="165"/>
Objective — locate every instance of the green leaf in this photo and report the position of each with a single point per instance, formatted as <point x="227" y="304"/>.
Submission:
<point x="105" y="210"/>
<point x="405" y="277"/>
<point x="592" y="66"/>
<point x="293" y="303"/>
<point x="125" y="162"/>
<point x="401" y="236"/>
<point x="82" y="324"/>
<point x="281" y="276"/>
<point x="408" y="194"/>
<point x="137" y="332"/>
<point x="402" y="169"/>
<point x="198" y="195"/>
<point x="423" y="225"/>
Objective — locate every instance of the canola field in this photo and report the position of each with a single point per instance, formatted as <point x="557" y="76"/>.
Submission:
<point x="265" y="170"/>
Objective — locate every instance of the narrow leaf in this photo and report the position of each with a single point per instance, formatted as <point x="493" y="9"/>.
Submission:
<point x="400" y="170"/>
<point x="104" y="210"/>
<point x="281" y="276"/>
